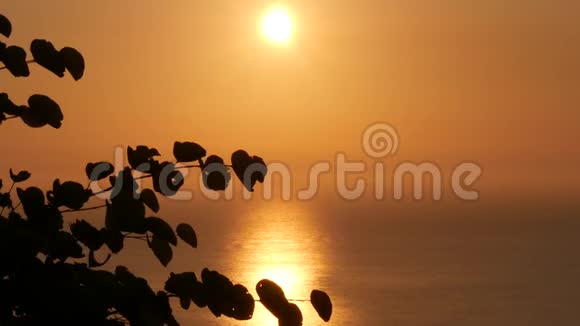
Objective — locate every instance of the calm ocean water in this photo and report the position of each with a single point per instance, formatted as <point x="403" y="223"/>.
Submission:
<point x="471" y="265"/>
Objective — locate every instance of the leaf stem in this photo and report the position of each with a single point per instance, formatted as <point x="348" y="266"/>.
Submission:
<point x="27" y="61"/>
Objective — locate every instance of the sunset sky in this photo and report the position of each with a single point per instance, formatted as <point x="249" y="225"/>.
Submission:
<point x="491" y="82"/>
<point x="495" y="82"/>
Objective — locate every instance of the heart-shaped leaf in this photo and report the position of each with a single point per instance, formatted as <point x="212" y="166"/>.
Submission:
<point x="46" y="55"/>
<point x="140" y="156"/>
<point x="187" y="234"/>
<point x="5" y="26"/>
<point x="188" y="152"/>
<point x="322" y="304"/>
<point x="161" y="229"/>
<point x="42" y="111"/>
<point x="14" y="58"/>
<point x="70" y="194"/>
<point x="249" y="169"/>
<point x="73" y="62"/>
<point x="20" y="176"/>
<point x="216" y="175"/>
<point x="161" y="249"/>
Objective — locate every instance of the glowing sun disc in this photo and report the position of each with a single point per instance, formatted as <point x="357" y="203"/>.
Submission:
<point x="277" y="25"/>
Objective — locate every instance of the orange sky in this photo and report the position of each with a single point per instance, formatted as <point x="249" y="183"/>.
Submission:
<point x="496" y="82"/>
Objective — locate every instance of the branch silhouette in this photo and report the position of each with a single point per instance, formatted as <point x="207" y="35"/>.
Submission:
<point x="49" y="273"/>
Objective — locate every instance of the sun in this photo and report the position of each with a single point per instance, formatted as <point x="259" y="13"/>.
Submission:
<point x="277" y="25"/>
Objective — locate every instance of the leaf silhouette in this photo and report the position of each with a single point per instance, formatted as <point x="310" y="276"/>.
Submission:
<point x="139" y="156"/>
<point x="113" y="239"/>
<point x="148" y="197"/>
<point x="187" y="234"/>
<point x="188" y="152"/>
<point x="161" y="249"/>
<point x="93" y="263"/>
<point x="63" y="245"/>
<point x="87" y="235"/>
<point x="272" y="297"/>
<point x="322" y="304"/>
<point x="20" y="176"/>
<point x="7" y="106"/>
<point x="216" y="175"/>
<point x="5" y="200"/>
<point x="167" y="180"/>
<point x="291" y="316"/>
<point x="99" y="171"/>
<point x="42" y="111"/>
<point x="5" y="26"/>
<point x="73" y="62"/>
<point x="14" y="58"/>
<point x="47" y="56"/>
<point x="249" y="169"/>
<point x="70" y="194"/>
<point x="161" y="229"/>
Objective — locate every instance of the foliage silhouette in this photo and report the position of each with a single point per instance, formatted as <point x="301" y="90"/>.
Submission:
<point x="50" y="275"/>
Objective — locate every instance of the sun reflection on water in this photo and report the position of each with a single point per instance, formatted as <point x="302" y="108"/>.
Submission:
<point x="281" y="242"/>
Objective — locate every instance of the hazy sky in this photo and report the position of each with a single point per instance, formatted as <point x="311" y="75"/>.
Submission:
<point x="495" y="82"/>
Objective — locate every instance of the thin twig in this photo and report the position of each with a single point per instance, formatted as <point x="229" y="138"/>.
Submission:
<point x="83" y="209"/>
<point x="27" y="61"/>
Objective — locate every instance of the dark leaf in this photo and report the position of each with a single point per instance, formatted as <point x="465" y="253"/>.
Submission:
<point x="139" y="157"/>
<point x="321" y="302"/>
<point x="249" y="169"/>
<point x="87" y="235"/>
<point x="272" y="297"/>
<point x="188" y="152"/>
<point x="70" y="194"/>
<point x="187" y="234"/>
<point x="20" y="176"/>
<point x="113" y="239"/>
<point x="5" y="200"/>
<point x="73" y="62"/>
<point x="5" y="26"/>
<point x="126" y="214"/>
<point x="46" y="55"/>
<point x="32" y="200"/>
<point x="216" y="175"/>
<point x="185" y="302"/>
<point x="161" y="229"/>
<point x="242" y="304"/>
<point x="63" y="245"/>
<point x="7" y="106"/>
<point x="93" y="263"/>
<point x="161" y="249"/>
<point x="99" y="171"/>
<point x="14" y="59"/>
<point x="166" y="179"/>
<point x="42" y="110"/>
<point x="148" y="197"/>
<point x="291" y="316"/>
